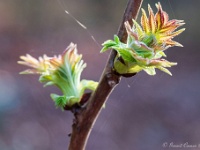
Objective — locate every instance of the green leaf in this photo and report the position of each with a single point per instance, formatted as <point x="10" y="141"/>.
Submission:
<point x="89" y="84"/>
<point x="104" y="49"/>
<point x="148" y="40"/>
<point x="138" y="28"/>
<point x="145" y="54"/>
<point x="144" y="51"/>
<point x="126" y="55"/>
<point x="159" y="55"/>
<point x="134" y="68"/>
<point x="164" y="70"/>
<point x="116" y="39"/>
<point x="45" y="78"/>
<point x="150" y="70"/>
<point x="60" y="101"/>
<point x="49" y="83"/>
<point x="108" y="44"/>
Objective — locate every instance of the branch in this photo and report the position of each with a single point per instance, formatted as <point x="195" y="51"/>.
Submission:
<point x="85" y="119"/>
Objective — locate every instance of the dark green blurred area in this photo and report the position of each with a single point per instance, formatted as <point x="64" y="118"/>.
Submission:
<point x="142" y="113"/>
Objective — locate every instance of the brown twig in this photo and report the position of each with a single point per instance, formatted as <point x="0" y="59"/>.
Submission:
<point x="85" y="119"/>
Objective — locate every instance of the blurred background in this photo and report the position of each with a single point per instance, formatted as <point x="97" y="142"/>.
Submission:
<point x="143" y="112"/>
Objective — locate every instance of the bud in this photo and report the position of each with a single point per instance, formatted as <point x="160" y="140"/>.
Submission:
<point x="63" y="71"/>
<point x="146" y="44"/>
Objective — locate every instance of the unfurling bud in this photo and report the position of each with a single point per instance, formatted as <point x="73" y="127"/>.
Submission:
<point x="63" y="71"/>
<point x="146" y="43"/>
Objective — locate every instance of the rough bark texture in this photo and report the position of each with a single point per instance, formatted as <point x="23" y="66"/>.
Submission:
<point x="85" y="118"/>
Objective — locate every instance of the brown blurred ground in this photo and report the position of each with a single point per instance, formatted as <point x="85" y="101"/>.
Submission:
<point x="142" y="113"/>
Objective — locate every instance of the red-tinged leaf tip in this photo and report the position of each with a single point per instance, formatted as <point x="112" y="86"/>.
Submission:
<point x="152" y="23"/>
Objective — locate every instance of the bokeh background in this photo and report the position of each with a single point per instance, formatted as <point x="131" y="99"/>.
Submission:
<point x="142" y="113"/>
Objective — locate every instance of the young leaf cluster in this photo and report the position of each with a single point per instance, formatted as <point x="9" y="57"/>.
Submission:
<point x="146" y="44"/>
<point x="63" y="71"/>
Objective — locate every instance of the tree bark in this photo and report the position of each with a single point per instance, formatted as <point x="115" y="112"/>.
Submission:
<point x="85" y="118"/>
